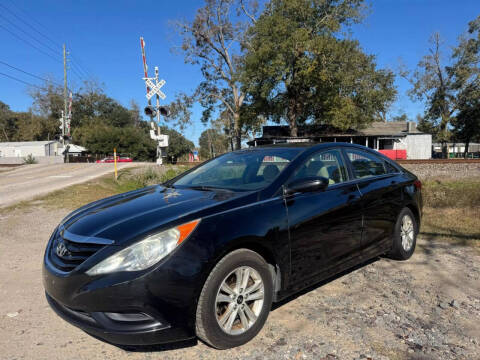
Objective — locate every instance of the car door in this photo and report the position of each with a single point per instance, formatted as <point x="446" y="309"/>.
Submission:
<point x="325" y="227"/>
<point x="381" y="198"/>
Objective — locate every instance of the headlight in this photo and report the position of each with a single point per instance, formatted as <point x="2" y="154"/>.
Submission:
<point x="145" y="253"/>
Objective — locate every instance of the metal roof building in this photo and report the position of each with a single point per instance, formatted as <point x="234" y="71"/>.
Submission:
<point x="396" y="139"/>
<point x="25" y="148"/>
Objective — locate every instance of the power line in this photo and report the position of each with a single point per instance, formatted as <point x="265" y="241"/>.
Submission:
<point x="19" y="80"/>
<point x="79" y="65"/>
<point x="26" y="23"/>
<point x="28" y="42"/>
<point x="75" y="72"/>
<point x="81" y="71"/>
<point x="28" y="73"/>
<point x="30" y="35"/>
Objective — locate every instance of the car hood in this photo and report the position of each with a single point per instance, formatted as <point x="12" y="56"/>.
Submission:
<point x="127" y="216"/>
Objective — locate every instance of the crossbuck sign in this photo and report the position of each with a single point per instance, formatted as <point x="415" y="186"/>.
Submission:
<point x="155" y="88"/>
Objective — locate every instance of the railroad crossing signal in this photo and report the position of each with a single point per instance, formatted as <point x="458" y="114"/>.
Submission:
<point x="155" y="88"/>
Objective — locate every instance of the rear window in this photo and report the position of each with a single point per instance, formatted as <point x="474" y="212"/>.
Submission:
<point x="390" y="168"/>
<point x="365" y="165"/>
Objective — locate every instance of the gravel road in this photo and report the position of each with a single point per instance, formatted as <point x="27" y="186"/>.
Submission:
<point x="29" y="181"/>
<point x="426" y="308"/>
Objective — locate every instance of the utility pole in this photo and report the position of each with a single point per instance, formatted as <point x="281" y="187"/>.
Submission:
<point x="64" y="92"/>
<point x="158" y="102"/>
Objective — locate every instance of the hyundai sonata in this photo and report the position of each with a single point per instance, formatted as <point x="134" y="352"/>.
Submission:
<point x="206" y="253"/>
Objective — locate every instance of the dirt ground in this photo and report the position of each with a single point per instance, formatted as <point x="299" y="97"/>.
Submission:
<point x="425" y="308"/>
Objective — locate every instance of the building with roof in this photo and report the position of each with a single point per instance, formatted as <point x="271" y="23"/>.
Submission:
<point x="76" y="150"/>
<point x="34" y="148"/>
<point x="42" y="151"/>
<point x="396" y="139"/>
<point x="456" y="150"/>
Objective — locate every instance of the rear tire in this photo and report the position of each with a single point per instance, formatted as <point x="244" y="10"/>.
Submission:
<point x="404" y="236"/>
<point x="235" y="300"/>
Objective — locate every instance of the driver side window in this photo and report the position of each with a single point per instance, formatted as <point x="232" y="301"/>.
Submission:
<point x="328" y="164"/>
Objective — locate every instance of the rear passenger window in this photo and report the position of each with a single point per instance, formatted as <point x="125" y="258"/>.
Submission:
<point x="365" y="165"/>
<point x="327" y="164"/>
<point x="390" y="168"/>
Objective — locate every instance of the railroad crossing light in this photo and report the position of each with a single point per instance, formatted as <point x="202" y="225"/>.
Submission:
<point x="150" y="111"/>
<point x="163" y="111"/>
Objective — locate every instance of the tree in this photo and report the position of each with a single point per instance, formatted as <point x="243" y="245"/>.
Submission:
<point x="426" y="126"/>
<point x="433" y="83"/>
<point x="100" y="138"/>
<point x="90" y="102"/>
<point x="403" y="117"/>
<point x="300" y="70"/>
<point x="178" y="145"/>
<point x="466" y="76"/>
<point x="214" y="41"/>
<point x="212" y="143"/>
<point x="8" y="126"/>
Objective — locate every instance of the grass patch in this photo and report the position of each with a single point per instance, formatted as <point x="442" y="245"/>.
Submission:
<point x="451" y="193"/>
<point x="456" y="225"/>
<point x="451" y="211"/>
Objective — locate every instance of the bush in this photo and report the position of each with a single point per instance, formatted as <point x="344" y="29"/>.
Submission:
<point x="139" y="178"/>
<point x="30" y="159"/>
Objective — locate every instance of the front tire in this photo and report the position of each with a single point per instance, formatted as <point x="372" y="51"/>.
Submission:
<point x="235" y="300"/>
<point x="405" y="235"/>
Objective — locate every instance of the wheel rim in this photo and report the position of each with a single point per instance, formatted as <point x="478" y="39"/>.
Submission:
<point x="239" y="300"/>
<point x="407" y="232"/>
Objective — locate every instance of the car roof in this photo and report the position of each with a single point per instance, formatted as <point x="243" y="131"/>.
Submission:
<point x="304" y="145"/>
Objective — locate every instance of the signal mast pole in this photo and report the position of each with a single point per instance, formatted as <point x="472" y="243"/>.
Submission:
<point x="145" y="67"/>
<point x="64" y="93"/>
<point x="153" y="88"/>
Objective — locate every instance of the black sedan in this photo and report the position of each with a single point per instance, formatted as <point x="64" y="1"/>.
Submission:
<point x="205" y="254"/>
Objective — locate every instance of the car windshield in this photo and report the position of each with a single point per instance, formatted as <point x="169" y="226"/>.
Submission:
<point x="240" y="171"/>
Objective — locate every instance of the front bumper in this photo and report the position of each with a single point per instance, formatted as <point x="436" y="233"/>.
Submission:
<point x="98" y="324"/>
<point x="165" y="295"/>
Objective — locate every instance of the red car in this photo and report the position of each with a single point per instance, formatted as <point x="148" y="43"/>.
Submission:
<point x="110" y="159"/>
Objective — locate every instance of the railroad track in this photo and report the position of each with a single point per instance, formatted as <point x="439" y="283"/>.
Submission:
<point x="440" y="161"/>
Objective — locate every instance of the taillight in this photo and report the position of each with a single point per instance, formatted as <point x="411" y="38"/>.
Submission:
<point x="418" y="184"/>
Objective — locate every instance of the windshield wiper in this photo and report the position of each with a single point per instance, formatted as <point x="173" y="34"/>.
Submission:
<point x="207" y="188"/>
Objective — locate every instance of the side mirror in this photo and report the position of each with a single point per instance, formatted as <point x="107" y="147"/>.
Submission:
<point x="304" y="185"/>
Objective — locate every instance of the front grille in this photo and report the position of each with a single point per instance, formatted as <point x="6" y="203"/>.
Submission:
<point x="66" y="255"/>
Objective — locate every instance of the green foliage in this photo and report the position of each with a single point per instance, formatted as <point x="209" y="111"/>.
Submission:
<point x="212" y="143"/>
<point x="99" y="123"/>
<point x="451" y="90"/>
<point x="214" y="41"/>
<point x="91" y="103"/>
<point x="467" y="80"/>
<point x="30" y="159"/>
<point x="178" y="145"/>
<point x="299" y="69"/>
<point x="402" y="117"/>
<point x="25" y="126"/>
<point x="100" y="138"/>
<point x="432" y="82"/>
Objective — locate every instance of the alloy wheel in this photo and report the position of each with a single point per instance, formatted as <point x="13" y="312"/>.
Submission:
<point x="407" y="232"/>
<point x="239" y="300"/>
